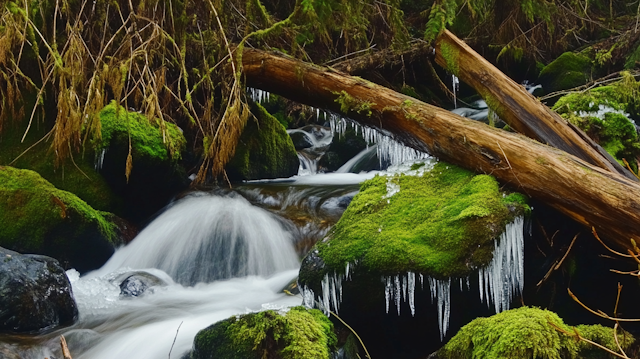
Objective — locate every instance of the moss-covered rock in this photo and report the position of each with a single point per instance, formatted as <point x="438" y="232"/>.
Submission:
<point x="265" y="150"/>
<point x="78" y="176"/>
<point x="603" y="113"/>
<point x="38" y="218"/>
<point x="525" y="333"/>
<point x="298" y="334"/>
<point x="567" y="71"/>
<point x="441" y="223"/>
<point x="156" y="149"/>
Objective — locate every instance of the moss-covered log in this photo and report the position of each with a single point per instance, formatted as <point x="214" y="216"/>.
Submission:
<point x="516" y="106"/>
<point x="586" y="193"/>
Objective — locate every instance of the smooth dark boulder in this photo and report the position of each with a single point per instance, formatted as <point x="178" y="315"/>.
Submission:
<point x="137" y="283"/>
<point x="35" y="293"/>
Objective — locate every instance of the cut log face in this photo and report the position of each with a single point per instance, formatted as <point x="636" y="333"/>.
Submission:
<point x="590" y="195"/>
<point x="515" y="106"/>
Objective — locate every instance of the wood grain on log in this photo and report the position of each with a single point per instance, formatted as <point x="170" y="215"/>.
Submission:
<point x="591" y="195"/>
<point x="515" y="106"/>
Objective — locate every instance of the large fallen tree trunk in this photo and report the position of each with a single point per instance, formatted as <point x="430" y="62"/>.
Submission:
<point x="515" y="106"/>
<point x="586" y="193"/>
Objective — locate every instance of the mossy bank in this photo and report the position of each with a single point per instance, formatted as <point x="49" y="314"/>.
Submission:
<point x="441" y="222"/>
<point x="298" y="334"/>
<point x="38" y="218"/>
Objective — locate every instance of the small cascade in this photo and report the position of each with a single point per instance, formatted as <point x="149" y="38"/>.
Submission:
<point x="504" y="276"/>
<point x="354" y="164"/>
<point x="203" y="237"/>
<point x="317" y="140"/>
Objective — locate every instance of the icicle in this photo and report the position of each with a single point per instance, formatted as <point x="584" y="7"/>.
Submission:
<point x="455" y="85"/>
<point x="388" y="291"/>
<point x="308" y="296"/>
<point x="421" y="281"/>
<point x="404" y="288"/>
<point x="100" y="159"/>
<point x="441" y="290"/>
<point x="504" y="276"/>
<point x="396" y="292"/>
<point x="411" y="278"/>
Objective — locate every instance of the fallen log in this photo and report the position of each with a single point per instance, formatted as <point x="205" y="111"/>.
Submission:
<point x="515" y="106"/>
<point x="588" y="194"/>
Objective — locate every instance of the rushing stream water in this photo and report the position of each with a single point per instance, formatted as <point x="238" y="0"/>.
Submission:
<point x="210" y="255"/>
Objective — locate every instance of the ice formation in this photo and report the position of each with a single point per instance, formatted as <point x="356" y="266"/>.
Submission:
<point x="389" y="150"/>
<point x="441" y="293"/>
<point x="100" y="159"/>
<point x="258" y="95"/>
<point x="331" y="297"/>
<point x="504" y="276"/>
<point x="455" y="86"/>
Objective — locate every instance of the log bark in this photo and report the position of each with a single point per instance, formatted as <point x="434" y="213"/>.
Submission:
<point x="515" y="106"/>
<point x="591" y="195"/>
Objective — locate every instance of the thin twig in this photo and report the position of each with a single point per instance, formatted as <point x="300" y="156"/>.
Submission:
<point x="174" y="339"/>
<point x="595" y="234"/>
<point x="599" y="313"/>
<point x="567" y="253"/>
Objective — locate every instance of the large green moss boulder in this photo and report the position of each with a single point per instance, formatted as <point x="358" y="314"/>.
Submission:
<point x="264" y="150"/>
<point x="526" y="333"/>
<point x="604" y="114"/>
<point x="298" y="334"/>
<point x="440" y="223"/>
<point x="569" y="70"/>
<point x="155" y="174"/>
<point x="36" y="217"/>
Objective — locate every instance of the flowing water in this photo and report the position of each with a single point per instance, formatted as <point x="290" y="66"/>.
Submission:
<point x="211" y="255"/>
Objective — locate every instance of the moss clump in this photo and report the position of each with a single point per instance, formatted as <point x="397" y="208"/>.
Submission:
<point x="441" y="223"/>
<point x="526" y="333"/>
<point x="601" y="114"/>
<point x="264" y="150"/>
<point x="350" y="104"/>
<point x="77" y="176"/>
<point x="451" y="55"/>
<point x="603" y="336"/>
<point x="567" y="71"/>
<point x="38" y="218"/>
<point x="298" y="334"/>
<point x="151" y="139"/>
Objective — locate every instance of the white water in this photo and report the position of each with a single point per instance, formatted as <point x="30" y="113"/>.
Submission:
<point x="206" y="237"/>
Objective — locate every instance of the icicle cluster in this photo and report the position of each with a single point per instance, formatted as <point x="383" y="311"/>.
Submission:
<point x="389" y="150"/>
<point x="504" y="276"/>
<point x="331" y="292"/>
<point x="401" y="288"/>
<point x="441" y="293"/>
<point x="258" y="95"/>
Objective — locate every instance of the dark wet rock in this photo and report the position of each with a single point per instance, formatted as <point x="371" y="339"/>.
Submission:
<point x="35" y="294"/>
<point x="138" y="283"/>
<point x="300" y="140"/>
<point x="342" y="149"/>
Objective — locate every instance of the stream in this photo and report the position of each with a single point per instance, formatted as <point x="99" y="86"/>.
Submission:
<point x="209" y="255"/>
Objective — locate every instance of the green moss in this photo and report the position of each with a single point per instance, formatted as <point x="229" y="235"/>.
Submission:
<point x="298" y="334"/>
<point x="567" y="71"/>
<point x="526" y="333"/>
<point x="603" y="336"/>
<point x="148" y="141"/>
<point x="31" y="208"/>
<point x="80" y="177"/>
<point x="613" y="130"/>
<point x="350" y="104"/>
<point x="441" y="223"/>
<point x="451" y="55"/>
<point x="264" y="150"/>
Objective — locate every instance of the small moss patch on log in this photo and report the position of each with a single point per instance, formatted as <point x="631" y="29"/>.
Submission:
<point x="567" y="71"/>
<point x="299" y="334"/>
<point x="441" y="224"/>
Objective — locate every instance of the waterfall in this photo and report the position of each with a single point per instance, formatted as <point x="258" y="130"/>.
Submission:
<point x="204" y="237"/>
